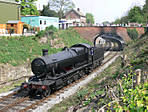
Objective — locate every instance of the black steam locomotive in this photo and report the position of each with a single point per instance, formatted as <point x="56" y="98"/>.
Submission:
<point x="52" y="72"/>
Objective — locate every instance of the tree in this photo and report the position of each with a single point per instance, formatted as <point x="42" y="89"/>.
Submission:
<point x="48" y="12"/>
<point x="61" y="6"/>
<point x="117" y="21"/>
<point x="145" y="12"/>
<point x="89" y="18"/>
<point x="105" y="23"/>
<point x="135" y="15"/>
<point x="124" y="20"/>
<point x="28" y="7"/>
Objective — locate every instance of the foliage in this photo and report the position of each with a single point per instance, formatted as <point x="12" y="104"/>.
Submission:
<point x="61" y="6"/>
<point x="133" y="34"/>
<point x="134" y="99"/>
<point x="26" y="26"/>
<point x="145" y="12"/>
<point x="48" y="12"/>
<point x="135" y="15"/>
<point x="28" y="7"/>
<point x="105" y="23"/>
<point x="124" y="20"/>
<point x="49" y="31"/>
<point x="117" y="21"/>
<point x="89" y="18"/>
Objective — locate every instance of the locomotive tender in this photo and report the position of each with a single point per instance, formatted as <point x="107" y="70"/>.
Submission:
<point x="52" y="72"/>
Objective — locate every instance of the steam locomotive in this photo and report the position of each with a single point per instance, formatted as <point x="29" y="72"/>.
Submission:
<point x="52" y="72"/>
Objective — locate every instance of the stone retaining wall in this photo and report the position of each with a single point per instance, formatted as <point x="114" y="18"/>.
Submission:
<point x="8" y="72"/>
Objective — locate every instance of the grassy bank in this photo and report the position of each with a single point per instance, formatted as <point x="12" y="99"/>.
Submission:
<point x="18" y="50"/>
<point x="114" y="89"/>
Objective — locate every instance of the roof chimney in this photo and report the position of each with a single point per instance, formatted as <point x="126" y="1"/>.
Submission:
<point x="78" y="9"/>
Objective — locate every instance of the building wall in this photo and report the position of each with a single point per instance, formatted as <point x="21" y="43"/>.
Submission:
<point x="49" y="21"/>
<point x="2" y="28"/>
<point x="20" y="28"/>
<point x="72" y="15"/>
<point x="8" y="11"/>
<point x="83" y="19"/>
<point x="31" y="20"/>
<point x="41" y="21"/>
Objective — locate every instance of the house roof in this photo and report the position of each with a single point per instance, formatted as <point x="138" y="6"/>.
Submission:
<point x="12" y="21"/>
<point x="77" y="12"/>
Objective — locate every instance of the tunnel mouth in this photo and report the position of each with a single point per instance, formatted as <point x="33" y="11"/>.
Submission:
<point x="113" y="38"/>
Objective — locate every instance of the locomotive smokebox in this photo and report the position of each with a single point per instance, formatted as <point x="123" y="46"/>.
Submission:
<point x="45" y="52"/>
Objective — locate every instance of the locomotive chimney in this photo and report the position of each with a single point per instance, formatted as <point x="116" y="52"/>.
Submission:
<point x="45" y="52"/>
<point x="78" y="9"/>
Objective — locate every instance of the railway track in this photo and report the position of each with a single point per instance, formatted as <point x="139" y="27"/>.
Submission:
<point x="13" y="103"/>
<point x="2" y="84"/>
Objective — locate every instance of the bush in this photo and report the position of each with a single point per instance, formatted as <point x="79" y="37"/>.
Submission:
<point x="133" y="34"/>
<point x="52" y="28"/>
<point x="48" y="31"/>
<point x="134" y="99"/>
<point x="146" y="30"/>
<point x="40" y="33"/>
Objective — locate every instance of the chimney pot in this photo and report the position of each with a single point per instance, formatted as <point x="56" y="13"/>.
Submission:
<point x="45" y="52"/>
<point x="78" y="9"/>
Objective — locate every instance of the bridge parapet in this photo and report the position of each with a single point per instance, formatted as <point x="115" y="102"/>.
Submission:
<point x="89" y="32"/>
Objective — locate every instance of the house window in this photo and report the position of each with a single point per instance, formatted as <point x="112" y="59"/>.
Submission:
<point x="44" y="22"/>
<point x="40" y="22"/>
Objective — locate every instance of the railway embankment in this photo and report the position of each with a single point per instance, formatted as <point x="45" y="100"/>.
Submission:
<point x="16" y="53"/>
<point x="123" y="86"/>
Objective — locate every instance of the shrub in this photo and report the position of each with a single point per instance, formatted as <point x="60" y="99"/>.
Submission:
<point x="40" y="33"/>
<point x="48" y="31"/>
<point x="134" y="97"/>
<point x="52" y="28"/>
<point x="146" y="30"/>
<point x="133" y="34"/>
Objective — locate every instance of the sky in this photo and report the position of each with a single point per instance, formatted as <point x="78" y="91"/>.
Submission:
<point x="103" y="10"/>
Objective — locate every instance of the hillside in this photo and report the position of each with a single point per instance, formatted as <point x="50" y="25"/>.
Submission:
<point x="19" y="50"/>
<point x="117" y="88"/>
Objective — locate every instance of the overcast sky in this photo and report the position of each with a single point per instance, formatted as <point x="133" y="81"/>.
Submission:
<point x="103" y="10"/>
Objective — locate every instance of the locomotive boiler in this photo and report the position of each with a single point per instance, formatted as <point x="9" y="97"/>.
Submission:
<point x="52" y="72"/>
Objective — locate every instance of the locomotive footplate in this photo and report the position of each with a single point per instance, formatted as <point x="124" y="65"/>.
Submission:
<point x="38" y="87"/>
<point x="38" y="84"/>
<point x="45" y="82"/>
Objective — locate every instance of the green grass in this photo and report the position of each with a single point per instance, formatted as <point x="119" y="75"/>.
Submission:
<point x="17" y="50"/>
<point x="70" y="37"/>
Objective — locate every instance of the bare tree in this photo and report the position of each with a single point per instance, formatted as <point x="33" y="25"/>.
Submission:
<point x="61" y="6"/>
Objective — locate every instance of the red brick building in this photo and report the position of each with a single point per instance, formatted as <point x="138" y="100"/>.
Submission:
<point x="73" y="18"/>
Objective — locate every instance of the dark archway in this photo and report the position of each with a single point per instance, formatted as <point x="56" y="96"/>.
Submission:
<point x="115" y="39"/>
